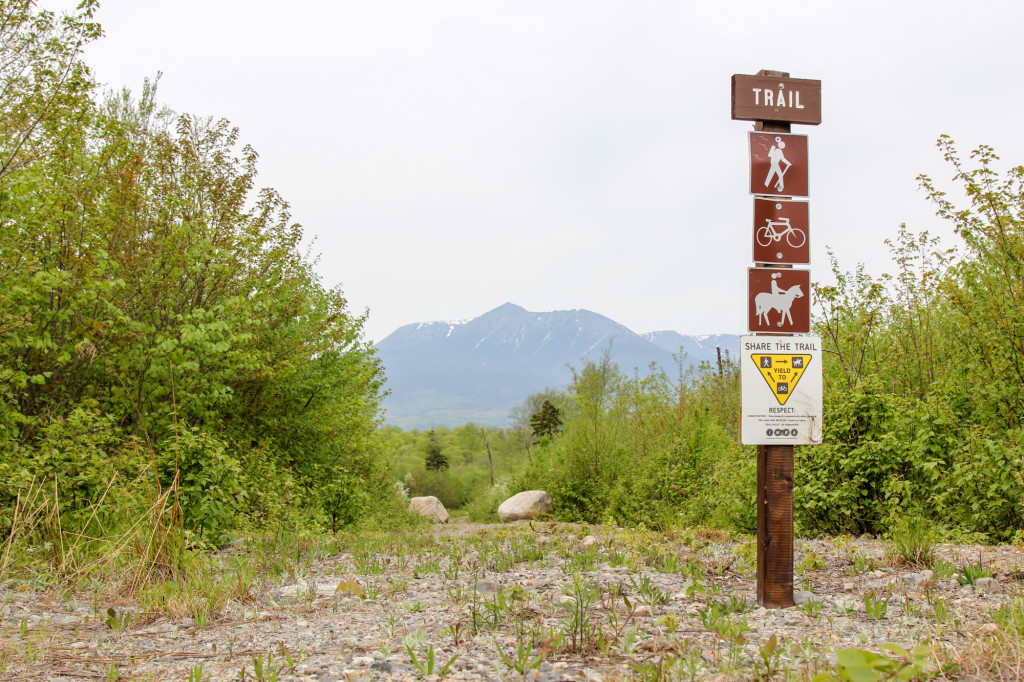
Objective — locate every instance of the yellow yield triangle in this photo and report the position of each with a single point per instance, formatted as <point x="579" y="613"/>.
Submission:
<point x="782" y="371"/>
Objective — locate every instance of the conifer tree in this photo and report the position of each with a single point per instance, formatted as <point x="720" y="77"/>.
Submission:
<point x="546" y="421"/>
<point x="435" y="459"/>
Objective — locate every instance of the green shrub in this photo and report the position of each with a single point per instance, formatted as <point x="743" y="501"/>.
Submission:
<point x="911" y="542"/>
<point x="208" y="479"/>
<point x="483" y="508"/>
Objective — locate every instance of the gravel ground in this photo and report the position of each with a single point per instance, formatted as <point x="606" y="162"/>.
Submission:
<point x="682" y="601"/>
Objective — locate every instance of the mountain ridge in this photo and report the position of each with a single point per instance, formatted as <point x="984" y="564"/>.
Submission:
<point x="476" y="370"/>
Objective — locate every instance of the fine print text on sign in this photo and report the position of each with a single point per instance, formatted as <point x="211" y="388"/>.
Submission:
<point x="763" y="98"/>
<point x="782" y="390"/>
<point x="778" y="164"/>
<point x="781" y="231"/>
<point x="779" y="300"/>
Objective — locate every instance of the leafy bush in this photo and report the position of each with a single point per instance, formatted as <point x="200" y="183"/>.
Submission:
<point x="911" y="541"/>
<point x="483" y="508"/>
<point x="208" y="479"/>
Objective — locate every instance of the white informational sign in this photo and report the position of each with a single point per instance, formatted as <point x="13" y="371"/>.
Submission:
<point x="781" y="389"/>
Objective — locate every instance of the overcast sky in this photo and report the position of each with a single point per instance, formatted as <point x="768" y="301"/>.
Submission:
<point x="451" y="156"/>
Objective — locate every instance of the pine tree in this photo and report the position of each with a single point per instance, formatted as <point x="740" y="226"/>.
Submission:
<point x="435" y="459"/>
<point x="546" y="422"/>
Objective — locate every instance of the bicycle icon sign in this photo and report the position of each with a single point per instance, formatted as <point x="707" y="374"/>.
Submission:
<point x="781" y="228"/>
<point x="769" y="234"/>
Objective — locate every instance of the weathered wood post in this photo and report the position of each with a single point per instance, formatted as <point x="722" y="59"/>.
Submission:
<point x="776" y="415"/>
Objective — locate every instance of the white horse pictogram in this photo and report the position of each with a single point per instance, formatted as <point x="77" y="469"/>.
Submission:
<point x="767" y="301"/>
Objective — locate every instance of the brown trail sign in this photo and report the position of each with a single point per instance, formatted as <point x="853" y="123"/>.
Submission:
<point x="779" y="300"/>
<point x="781" y="231"/>
<point x="776" y="98"/>
<point x="778" y="164"/>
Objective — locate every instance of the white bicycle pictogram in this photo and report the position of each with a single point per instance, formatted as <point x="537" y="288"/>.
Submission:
<point x="769" y="234"/>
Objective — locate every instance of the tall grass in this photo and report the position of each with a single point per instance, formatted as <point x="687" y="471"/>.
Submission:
<point x="130" y="537"/>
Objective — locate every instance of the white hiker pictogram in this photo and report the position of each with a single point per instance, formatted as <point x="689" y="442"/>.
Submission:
<point x="777" y="299"/>
<point x="775" y="169"/>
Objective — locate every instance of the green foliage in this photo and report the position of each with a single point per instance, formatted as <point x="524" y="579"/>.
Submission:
<point x="858" y="665"/>
<point x="546" y="421"/>
<point x="159" y="317"/>
<point x="426" y="667"/>
<point x="912" y="542"/>
<point x="484" y="507"/>
<point x="923" y="378"/>
<point x="434" y="458"/>
<point x="647" y="452"/>
<point x="208" y="480"/>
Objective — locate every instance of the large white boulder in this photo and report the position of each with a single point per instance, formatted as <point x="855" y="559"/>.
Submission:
<point x="525" y="505"/>
<point x="430" y="507"/>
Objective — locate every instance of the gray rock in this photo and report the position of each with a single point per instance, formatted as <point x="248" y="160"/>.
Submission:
<point x="987" y="586"/>
<point x="801" y="597"/>
<point x="381" y="666"/>
<point x="525" y="505"/>
<point x="486" y="587"/>
<point x="588" y="542"/>
<point x="920" y="581"/>
<point x="429" y="507"/>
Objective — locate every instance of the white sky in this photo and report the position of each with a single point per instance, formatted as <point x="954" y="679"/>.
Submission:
<point x="452" y="156"/>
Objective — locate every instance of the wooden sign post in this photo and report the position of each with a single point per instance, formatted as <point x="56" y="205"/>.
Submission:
<point x="779" y="171"/>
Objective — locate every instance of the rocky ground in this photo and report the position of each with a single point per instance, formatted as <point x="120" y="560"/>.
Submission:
<point x="588" y="603"/>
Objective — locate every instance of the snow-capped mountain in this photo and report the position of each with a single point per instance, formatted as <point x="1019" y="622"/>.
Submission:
<point x="450" y="373"/>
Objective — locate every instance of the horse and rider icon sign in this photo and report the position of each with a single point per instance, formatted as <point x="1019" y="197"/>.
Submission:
<point x="779" y="300"/>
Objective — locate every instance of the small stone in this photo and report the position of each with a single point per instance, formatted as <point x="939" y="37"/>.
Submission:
<point x="382" y="666"/>
<point x="987" y="586"/>
<point x="486" y="587"/>
<point x="848" y="587"/>
<point x="925" y="579"/>
<point x="643" y="610"/>
<point x="988" y="628"/>
<point x="362" y="661"/>
<point x="801" y="597"/>
<point x="588" y="542"/>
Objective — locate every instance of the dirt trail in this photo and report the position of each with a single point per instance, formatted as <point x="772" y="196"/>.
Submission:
<point x="593" y="604"/>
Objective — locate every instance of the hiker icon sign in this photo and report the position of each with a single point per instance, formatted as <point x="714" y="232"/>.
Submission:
<point x="778" y="164"/>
